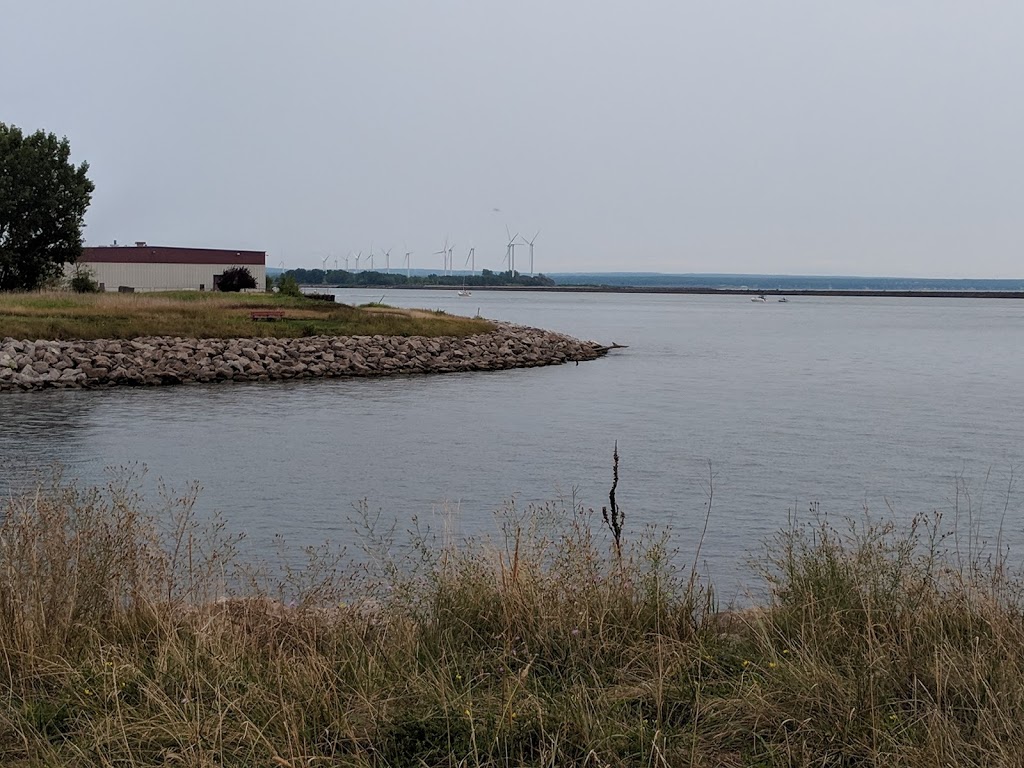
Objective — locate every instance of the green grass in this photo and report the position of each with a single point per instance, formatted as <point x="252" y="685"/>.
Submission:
<point x="210" y="315"/>
<point x="537" y="646"/>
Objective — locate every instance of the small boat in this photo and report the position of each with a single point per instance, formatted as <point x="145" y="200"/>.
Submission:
<point x="758" y="298"/>
<point x="783" y="299"/>
<point x="465" y="292"/>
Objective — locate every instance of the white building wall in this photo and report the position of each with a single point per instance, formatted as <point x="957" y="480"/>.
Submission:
<point x="162" y="277"/>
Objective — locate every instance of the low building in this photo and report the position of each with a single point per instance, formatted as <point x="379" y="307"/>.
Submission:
<point x="143" y="267"/>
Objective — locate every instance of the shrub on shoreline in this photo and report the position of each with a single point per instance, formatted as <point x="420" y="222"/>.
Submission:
<point x="123" y="644"/>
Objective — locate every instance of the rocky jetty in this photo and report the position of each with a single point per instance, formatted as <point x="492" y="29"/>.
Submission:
<point x="157" y="360"/>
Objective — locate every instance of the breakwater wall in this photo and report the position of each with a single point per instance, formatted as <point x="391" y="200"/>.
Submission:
<point x="162" y="360"/>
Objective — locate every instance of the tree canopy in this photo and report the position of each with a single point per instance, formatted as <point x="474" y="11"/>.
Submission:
<point x="236" y="279"/>
<point x="43" y="199"/>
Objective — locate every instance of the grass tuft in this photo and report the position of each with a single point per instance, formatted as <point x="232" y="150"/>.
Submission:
<point x="127" y="638"/>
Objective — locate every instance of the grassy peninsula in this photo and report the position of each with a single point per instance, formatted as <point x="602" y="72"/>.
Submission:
<point x="191" y="314"/>
<point x="549" y="644"/>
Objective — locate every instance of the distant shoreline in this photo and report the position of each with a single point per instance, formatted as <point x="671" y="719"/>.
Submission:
<point x="697" y="290"/>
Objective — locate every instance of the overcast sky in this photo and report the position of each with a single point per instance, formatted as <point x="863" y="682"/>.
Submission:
<point x="876" y="137"/>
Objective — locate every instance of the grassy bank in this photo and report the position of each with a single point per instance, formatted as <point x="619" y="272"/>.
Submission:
<point x="62" y="315"/>
<point x="541" y="646"/>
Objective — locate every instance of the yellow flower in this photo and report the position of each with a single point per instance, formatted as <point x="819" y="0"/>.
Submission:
<point x="772" y="665"/>
<point x="892" y="716"/>
<point x="467" y="712"/>
<point x="746" y="663"/>
<point x="458" y="677"/>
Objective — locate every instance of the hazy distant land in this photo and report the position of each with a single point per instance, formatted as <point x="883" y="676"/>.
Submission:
<point x="655" y="282"/>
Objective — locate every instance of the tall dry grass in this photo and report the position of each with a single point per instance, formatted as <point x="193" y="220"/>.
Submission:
<point x="134" y="635"/>
<point x="62" y="315"/>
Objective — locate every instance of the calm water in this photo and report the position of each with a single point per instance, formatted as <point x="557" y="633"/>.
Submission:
<point x="853" y="402"/>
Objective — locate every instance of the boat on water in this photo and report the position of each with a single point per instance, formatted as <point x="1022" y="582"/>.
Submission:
<point x="758" y="298"/>
<point x="783" y="300"/>
<point x="464" y="291"/>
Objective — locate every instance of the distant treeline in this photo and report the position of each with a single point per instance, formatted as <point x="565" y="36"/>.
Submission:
<point x="341" y="277"/>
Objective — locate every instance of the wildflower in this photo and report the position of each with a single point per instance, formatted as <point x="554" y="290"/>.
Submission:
<point x="87" y="692"/>
<point x="458" y="676"/>
<point x="893" y="716"/>
<point x="746" y="662"/>
<point x="772" y="665"/>
<point x="785" y="651"/>
<point x="467" y="713"/>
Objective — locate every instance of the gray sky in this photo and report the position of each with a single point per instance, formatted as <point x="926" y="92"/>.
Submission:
<point x="875" y="137"/>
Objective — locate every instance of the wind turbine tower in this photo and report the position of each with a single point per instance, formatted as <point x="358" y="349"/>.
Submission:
<point x="511" y="251"/>
<point x="471" y="260"/>
<point x="408" y="265"/>
<point x="530" y="243"/>
<point x="444" y="254"/>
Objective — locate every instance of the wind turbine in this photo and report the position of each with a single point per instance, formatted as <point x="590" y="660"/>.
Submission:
<point x="358" y="257"/>
<point x="511" y="250"/>
<point x="451" y="260"/>
<point x="324" y="264"/>
<point x="387" y="260"/>
<point x="371" y="257"/>
<point x="346" y="260"/>
<point x="443" y="253"/>
<point x="530" y="243"/>
<point x="408" y="266"/>
<point x="471" y="258"/>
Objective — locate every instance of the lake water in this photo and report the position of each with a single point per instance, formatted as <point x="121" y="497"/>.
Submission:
<point x="851" y="402"/>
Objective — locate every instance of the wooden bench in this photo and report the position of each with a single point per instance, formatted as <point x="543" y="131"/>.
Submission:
<point x="266" y="314"/>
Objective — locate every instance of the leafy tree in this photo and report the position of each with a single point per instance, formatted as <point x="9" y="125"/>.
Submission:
<point x="43" y="199"/>
<point x="288" y="285"/>
<point x="83" y="280"/>
<point x="236" y="279"/>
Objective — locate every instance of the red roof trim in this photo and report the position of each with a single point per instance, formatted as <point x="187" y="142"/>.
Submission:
<point x="157" y="254"/>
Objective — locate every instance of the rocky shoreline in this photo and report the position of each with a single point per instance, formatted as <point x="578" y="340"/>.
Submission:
<point x="164" y="360"/>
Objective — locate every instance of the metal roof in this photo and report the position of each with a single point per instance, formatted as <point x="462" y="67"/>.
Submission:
<point x="162" y="254"/>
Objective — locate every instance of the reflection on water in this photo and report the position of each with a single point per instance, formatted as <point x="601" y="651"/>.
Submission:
<point x="39" y="430"/>
<point x="853" y="402"/>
